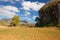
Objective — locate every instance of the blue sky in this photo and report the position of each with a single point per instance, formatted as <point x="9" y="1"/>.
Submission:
<point x="25" y="9"/>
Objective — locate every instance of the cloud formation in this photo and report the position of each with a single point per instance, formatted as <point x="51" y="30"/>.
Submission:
<point x="27" y="5"/>
<point x="27" y="18"/>
<point x="8" y="11"/>
<point x="27" y="13"/>
<point x="12" y="1"/>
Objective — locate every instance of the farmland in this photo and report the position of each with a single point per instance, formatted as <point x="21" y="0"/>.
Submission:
<point x="25" y="33"/>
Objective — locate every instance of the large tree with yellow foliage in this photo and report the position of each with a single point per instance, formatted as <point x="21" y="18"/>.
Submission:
<point x="15" y="21"/>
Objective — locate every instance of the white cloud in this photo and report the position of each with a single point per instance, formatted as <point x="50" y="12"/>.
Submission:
<point x="17" y="0"/>
<point x="26" y="8"/>
<point x="27" y="13"/>
<point x="11" y="8"/>
<point x="12" y="1"/>
<point x="20" y="0"/>
<point x="8" y="11"/>
<point x="34" y="17"/>
<point x="29" y="18"/>
<point x="4" y="0"/>
<point x="27" y="5"/>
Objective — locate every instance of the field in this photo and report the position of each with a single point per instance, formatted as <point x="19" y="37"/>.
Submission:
<point x="25" y="33"/>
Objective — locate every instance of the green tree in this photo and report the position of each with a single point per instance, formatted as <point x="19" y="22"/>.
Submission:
<point x="37" y="22"/>
<point x="15" y="21"/>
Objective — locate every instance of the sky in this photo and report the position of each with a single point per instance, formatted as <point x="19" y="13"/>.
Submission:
<point x="25" y="9"/>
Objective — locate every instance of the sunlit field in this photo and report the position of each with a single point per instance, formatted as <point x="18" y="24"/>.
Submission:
<point x="25" y="33"/>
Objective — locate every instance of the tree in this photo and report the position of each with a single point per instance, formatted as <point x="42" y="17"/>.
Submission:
<point x="15" y="21"/>
<point x="37" y="21"/>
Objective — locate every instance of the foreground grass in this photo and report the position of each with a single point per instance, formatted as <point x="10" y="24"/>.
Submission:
<point x="21" y="33"/>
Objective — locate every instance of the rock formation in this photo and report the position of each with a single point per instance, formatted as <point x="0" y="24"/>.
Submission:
<point x="50" y="13"/>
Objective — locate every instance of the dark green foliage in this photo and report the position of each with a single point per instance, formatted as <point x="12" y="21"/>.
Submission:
<point x="38" y="23"/>
<point x="58" y="24"/>
<point x="37" y="20"/>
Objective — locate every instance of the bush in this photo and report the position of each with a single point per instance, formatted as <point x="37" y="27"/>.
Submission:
<point x="58" y="24"/>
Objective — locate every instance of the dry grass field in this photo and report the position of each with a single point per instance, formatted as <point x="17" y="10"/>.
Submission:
<point x="23" y="33"/>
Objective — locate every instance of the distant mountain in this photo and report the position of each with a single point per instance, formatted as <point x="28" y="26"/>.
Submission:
<point x="5" y="21"/>
<point x="24" y="21"/>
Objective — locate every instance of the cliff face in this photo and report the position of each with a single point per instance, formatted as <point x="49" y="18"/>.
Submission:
<point x="50" y="13"/>
<point x="59" y="10"/>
